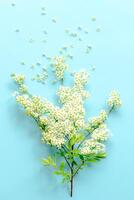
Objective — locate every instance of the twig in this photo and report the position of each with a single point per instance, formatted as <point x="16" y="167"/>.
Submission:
<point x="78" y="168"/>
<point x="66" y="160"/>
<point x="72" y="171"/>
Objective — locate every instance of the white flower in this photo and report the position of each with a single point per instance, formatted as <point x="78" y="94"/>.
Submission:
<point x="59" y="66"/>
<point x="100" y="134"/>
<point x="97" y="121"/>
<point x="91" y="146"/>
<point x="34" y="106"/>
<point x="81" y="78"/>
<point x="114" y="99"/>
<point x="18" y="78"/>
<point x="23" y="88"/>
<point x="43" y="120"/>
<point x="59" y="123"/>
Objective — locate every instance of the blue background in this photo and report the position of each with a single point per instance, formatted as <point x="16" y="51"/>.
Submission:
<point x="21" y="174"/>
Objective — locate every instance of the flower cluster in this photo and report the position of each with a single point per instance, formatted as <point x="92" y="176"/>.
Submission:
<point x="59" y="123"/>
<point x="77" y="91"/>
<point x="95" y="122"/>
<point x="92" y="146"/>
<point x="23" y="88"/>
<point x="68" y="119"/>
<point x="114" y="99"/>
<point x="59" y="66"/>
<point x="18" y="78"/>
<point x="33" y="106"/>
<point x="81" y="78"/>
<point x="100" y="134"/>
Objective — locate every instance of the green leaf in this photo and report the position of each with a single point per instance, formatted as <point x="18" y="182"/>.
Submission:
<point x="94" y="157"/>
<point x="65" y="175"/>
<point x="79" y="138"/>
<point x="72" y="141"/>
<point x="57" y="172"/>
<point x="76" y="139"/>
<point x="75" y="163"/>
<point x="92" y="160"/>
<point x="74" y="153"/>
<point x="81" y="157"/>
<point x="102" y="155"/>
<point x="62" y="165"/>
<point x="66" y="178"/>
<point x="49" y="162"/>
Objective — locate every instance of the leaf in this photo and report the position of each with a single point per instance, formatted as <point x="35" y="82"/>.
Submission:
<point x="75" y="163"/>
<point x="79" y="138"/>
<point x="92" y="160"/>
<point x="49" y="162"/>
<point x="94" y="157"/>
<point x="81" y="157"/>
<point x="62" y="165"/>
<point x="65" y="175"/>
<point x="74" y="153"/>
<point x="102" y="155"/>
<point x="66" y="178"/>
<point x="61" y="153"/>
<point x="57" y="172"/>
<point x="76" y="139"/>
<point x="72" y="140"/>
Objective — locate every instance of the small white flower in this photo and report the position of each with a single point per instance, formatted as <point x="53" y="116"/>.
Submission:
<point x="114" y="99"/>
<point x="100" y="134"/>
<point x="91" y="146"/>
<point x="59" y="66"/>
<point x="18" y="78"/>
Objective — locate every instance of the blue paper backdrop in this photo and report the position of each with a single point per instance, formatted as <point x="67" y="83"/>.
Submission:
<point x="22" y="177"/>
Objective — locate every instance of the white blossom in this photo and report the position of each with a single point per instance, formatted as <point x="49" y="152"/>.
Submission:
<point x="18" y="78"/>
<point x="81" y="78"/>
<point x="60" y="122"/>
<point x="59" y="66"/>
<point x="96" y="121"/>
<point x="114" y="99"/>
<point x="100" y="134"/>
<point x="92" y="146"/>
<point x="23" y="88"/>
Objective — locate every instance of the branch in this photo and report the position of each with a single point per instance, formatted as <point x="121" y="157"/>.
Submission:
<point x="66" y="160"/>
<point x="72" y="171"/>
<point x="83" y="140"/>
<point x="110" y="110"/>
<point x="78" y="168"/>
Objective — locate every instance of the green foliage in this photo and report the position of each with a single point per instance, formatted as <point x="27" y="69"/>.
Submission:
<point x="49" y="162"/>
<point x="74" y="153"/>
<point x="62" y="172"/>
<point x="94" y="157"/>
<point x="75" y="139"/>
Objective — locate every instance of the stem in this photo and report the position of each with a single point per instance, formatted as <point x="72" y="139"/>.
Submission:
<point x="83" y="140"/>
<point x="71" y="193"/>
<point x="66" y="160"/>
<point x="65" y="148"/>
<point x="62" y="81"/>
<point x="78" y="169"/>
<point x="110" y="110"/>
<point x="72" y="177"/>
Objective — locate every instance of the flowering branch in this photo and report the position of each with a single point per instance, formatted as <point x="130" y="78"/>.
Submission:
<point x="65" y="127"/>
